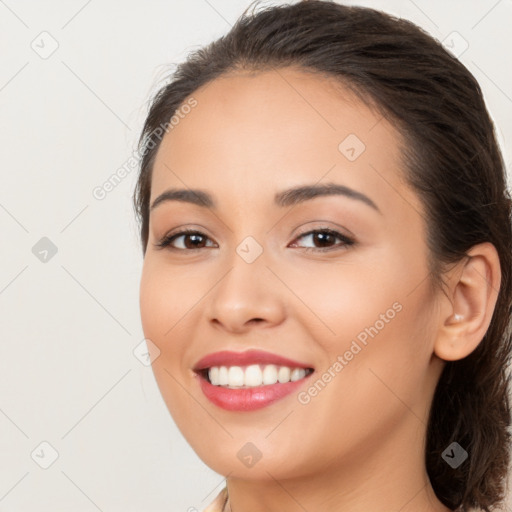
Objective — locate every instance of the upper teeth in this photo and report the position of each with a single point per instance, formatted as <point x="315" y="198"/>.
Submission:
<point x="253" y="375"/>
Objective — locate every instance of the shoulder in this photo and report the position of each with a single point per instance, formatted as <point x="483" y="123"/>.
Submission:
<point x="217" y="505"/>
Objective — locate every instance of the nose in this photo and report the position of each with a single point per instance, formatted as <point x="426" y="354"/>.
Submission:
<point x="248" y="295"/>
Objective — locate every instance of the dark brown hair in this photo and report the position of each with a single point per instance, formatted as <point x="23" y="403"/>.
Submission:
<point x="453" y="162"/>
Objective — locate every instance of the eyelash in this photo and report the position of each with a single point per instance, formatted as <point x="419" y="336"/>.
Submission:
<point x="167" y="240"/>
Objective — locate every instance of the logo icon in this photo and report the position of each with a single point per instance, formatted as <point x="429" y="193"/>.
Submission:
<point x="351" y="147"/>
<point x="249" y="249"/>
<point x="44" y="455"/>
<point x="454" y="455"/>
<point x="44" y="250"/>
<point x="44" y="45"/>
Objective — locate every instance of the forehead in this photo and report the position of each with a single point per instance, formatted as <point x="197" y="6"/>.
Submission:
<point x="255" y="132"/>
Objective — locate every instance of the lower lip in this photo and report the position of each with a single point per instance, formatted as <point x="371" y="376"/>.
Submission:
<point x="248" y="399"/>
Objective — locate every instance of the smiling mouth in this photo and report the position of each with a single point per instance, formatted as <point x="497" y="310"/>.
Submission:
<point x="251" y="376"/>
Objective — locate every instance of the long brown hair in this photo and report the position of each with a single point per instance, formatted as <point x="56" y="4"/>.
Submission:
<point x="453" y="162"/>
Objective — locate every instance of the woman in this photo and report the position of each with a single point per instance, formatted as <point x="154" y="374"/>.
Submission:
<point x="327" y="247"/>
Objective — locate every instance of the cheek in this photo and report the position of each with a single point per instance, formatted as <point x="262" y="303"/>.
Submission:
<point x="343" y="299"/>
<point x="171" y="298"/>
<point x="385" y="292"/>
<point x="378" y="316"/>
<point x="152" y="297"/>
<point x="381" y="380"/>
<point x="160" y="312"/>
<point x="161" y="308"/>
<point x="386" y="345"/>
<point x="165" y="295"/>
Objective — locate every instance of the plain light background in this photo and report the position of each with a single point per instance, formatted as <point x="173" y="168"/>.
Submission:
<point x="69" y="321"/>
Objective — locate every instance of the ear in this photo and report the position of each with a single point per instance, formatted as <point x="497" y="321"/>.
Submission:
<point x="467" y="308"/>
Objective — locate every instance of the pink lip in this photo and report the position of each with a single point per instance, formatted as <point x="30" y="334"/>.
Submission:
<point x="248" y="399"/>
<point x="253" y="356"/>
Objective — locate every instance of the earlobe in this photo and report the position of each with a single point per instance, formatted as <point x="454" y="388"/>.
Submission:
<point x="468" y="306"/>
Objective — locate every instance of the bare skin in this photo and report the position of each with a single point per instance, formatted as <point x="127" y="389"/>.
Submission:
<point x="358" y="444"/>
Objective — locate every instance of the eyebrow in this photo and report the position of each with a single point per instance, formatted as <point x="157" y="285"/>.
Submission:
<point x="289" y="197"/>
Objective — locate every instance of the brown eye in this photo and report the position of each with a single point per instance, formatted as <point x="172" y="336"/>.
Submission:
<point x="190" y="240"/>
<point x="324" y="238"/>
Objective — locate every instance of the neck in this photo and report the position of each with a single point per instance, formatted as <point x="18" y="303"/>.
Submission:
<point x="379" y="476"/>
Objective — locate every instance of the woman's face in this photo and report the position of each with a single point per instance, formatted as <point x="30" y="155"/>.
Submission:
<point x="353" y="302"/>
